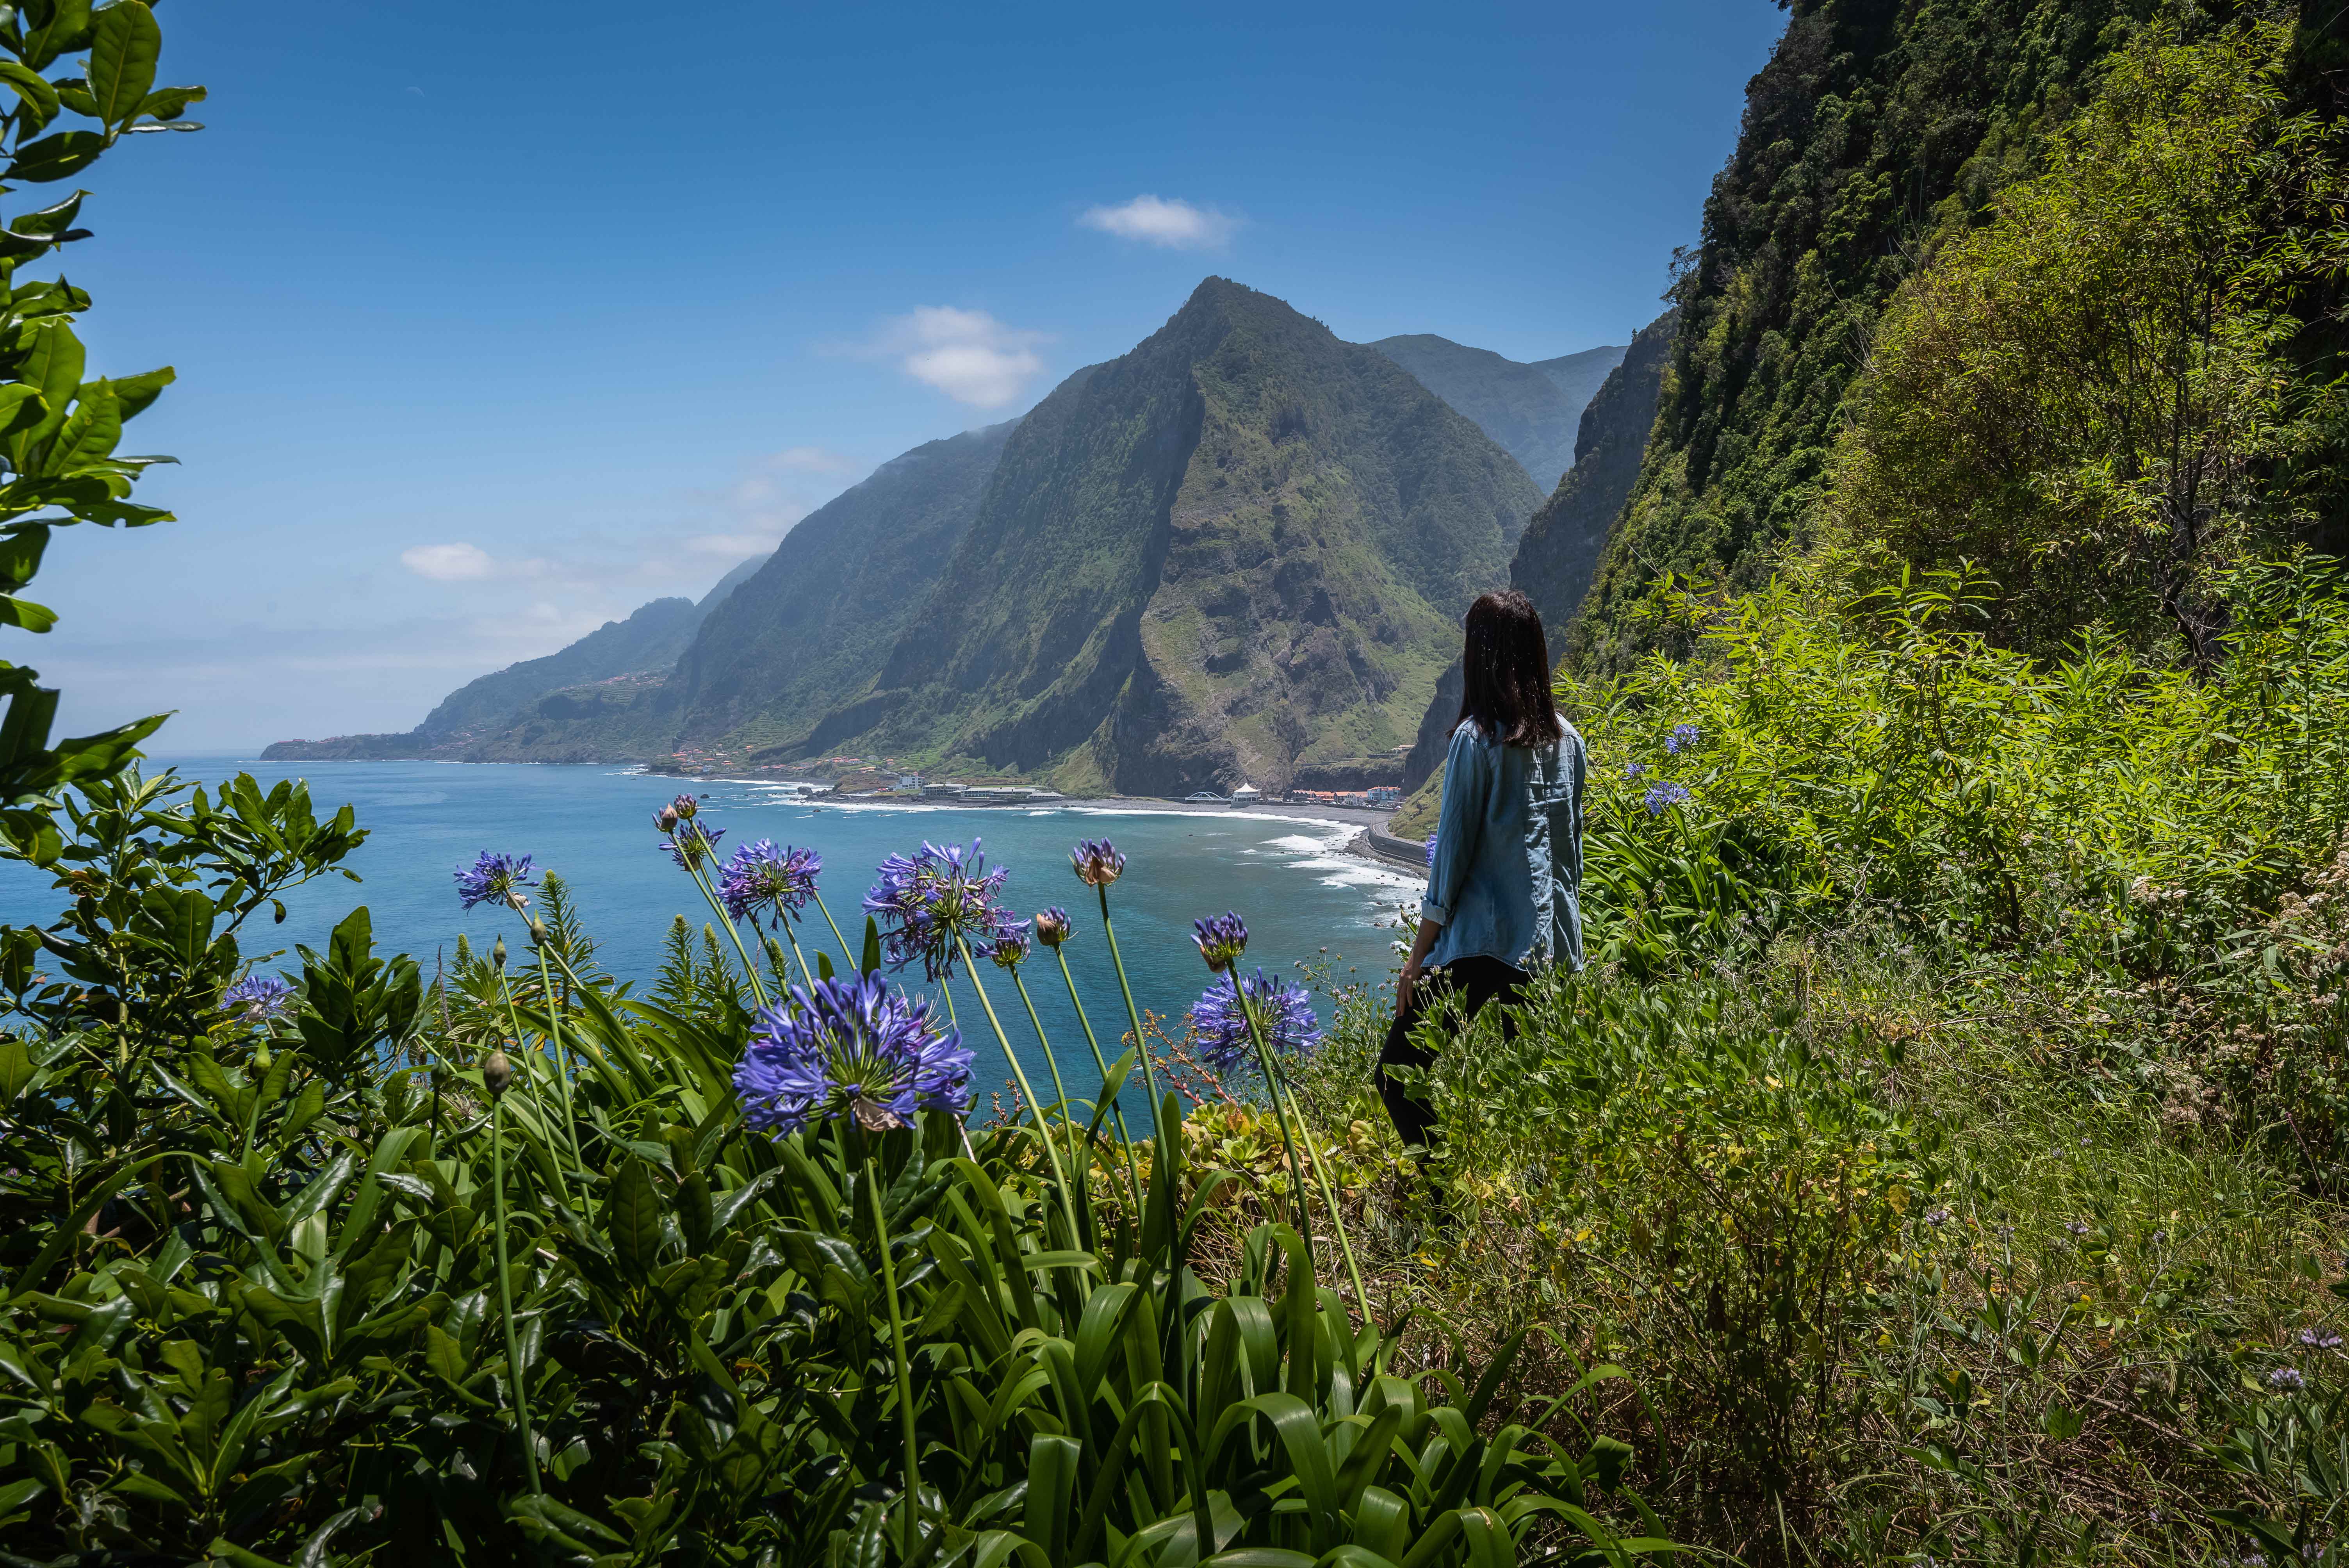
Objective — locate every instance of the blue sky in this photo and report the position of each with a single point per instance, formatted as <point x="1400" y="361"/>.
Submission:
<point x="491" y="330"/>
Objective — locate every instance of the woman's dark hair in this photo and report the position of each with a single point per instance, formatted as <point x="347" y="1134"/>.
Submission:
<point x="1505" y="671"/>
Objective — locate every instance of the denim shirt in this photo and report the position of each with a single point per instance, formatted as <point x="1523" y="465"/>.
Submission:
<point x="1507" y="877"/>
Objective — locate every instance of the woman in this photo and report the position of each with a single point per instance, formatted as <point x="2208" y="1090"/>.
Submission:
<point x="1504" y="878"/>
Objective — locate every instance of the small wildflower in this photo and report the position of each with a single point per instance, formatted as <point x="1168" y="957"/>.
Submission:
<point x="1663" y="796"/>
<point x="1634" y="770"/>
<point x="1052" y="926"/>
<point x="2287" y="1380"/>
<point x="1937" y="1218"/>
<point x="1221" y="940"/>
<point x="259" y="998"/>
<point x="2320" y="1339"/>
<point x="1681" y="738"/>
<point x="2161" y="1237"/>
<point x="1282" y="1011"/>
<point x="2077" y="1227"/>
<point x="494" y="879"/>
<point x="1097" y="863"/>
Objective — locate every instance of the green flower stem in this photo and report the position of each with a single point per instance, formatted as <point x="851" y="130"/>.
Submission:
<point x="562" y="1067"/>
<point x="749" y="968"/>
<point x="806" y="973"/>
<point x="905" y="1373"/>
<point x="1297" y="1209"/>
<point x="1329" y="1198"/>
<point x="847" y="959"/>
<point x="505" y="1290"/>
<point x="522" y="1059"/>
<point x="1141" y="1046"/>
<point x="1035" y="1106"/>
<point x="1059" y="1087"/>
<point x="1125" y="1138"/>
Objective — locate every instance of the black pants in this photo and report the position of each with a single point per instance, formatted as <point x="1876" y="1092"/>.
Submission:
<point x="1474" y="980"/>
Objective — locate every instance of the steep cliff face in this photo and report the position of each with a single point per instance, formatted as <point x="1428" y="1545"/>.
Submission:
<point x="809" y="631"/>
<point x="1530" y="409"/>
<point x="1562" y="543"/>
<point x="1875" y="124"/>
<point x="1236" y="549"/>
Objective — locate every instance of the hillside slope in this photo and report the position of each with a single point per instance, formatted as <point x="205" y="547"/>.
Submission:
<point x="1874" y="124"/>
<point x="1530" y="409"/>
<point x="1238" y="550"/>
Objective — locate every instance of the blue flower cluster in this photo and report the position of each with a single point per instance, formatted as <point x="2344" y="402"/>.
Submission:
<point x="851" y="1047"/>
<point x="259" y="998"/>
<point x="1284" y="1012"/>
<point x="1661" y="797"/>
<point x="691" y="845"/>
<point x="927" y="900"/>
<point x="494" y="879"/>
<point x="1681" y="738"/>
<point x="761" y="880"/>
<point x="1431" y="852"/>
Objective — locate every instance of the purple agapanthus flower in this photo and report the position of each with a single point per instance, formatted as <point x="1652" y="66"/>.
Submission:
<point x="1663" y="797"/>
<point x="2320" y="1339"/>
<point x="1097" y="863"/>
<point x="2287" y="1380"/>
<point x="691" y="845"/>
<point x="1431" y="852"/>
<point x="495" y="879"/>
<point x="1682" y="738"/>
<point x="260" y="998"/>
<point x="1052" y="926"/>
<point x="850" y="1046"/>
<point x="1011" y="946"/>
<point x="927" y="900"/>
<point x="684" y="809"/>
<point x="761" y="880"/>
<point x="1634" y="770"/>
<point x="1284" y="1012"/>
<point x="1221" y="940"/>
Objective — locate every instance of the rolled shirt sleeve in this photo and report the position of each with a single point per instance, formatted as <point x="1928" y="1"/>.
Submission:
<point x="1467" y="769"/>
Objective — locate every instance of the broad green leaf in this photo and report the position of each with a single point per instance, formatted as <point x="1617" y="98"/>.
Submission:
<point x="133" y="394"/>
<point x="124" y="45"/>
<point x="32" y="90"/>
<point x="59" y="157"/>
<point x="52" y="366"/>
<point x="25" y="613"/>
<point x="91" y="432"/>
<point x="169" y="103"/>
<point x="67" y="29"/>
<point x="631" y="1217"/>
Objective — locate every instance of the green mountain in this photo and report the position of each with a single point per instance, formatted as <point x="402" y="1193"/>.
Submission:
<point x="1562" y="543"/>
<point x="479" y="713"/>
<point x="1237" y="552"/>
<point x="1530" y="409"/>
<point x="811" y="629"/>
<point x="1875" y="125"/>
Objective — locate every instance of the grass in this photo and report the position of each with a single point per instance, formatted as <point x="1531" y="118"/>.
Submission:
<point x="1924" y="1282"/>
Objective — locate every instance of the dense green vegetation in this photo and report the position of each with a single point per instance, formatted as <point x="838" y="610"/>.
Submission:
<point x="1949" y="1134"/>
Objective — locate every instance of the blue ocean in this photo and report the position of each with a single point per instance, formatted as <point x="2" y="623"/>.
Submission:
<point x="1305" y="900"/>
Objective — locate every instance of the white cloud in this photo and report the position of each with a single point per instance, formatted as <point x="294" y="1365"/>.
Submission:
<point x="965" y="353"/>
<point x="1174" y="225"/>
<point x="450" y="562"/>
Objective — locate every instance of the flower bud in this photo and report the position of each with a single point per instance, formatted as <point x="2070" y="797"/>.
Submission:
<point x="667" y="818"/>
<point x="538" y="931"/>
<point x="498" y="951"/>
<point x="687" y="807"/>
<point x="497" y="1072"/>
<point x="1097" y="863"/>
<point x="1052" y="926"/>
<point x="1221" y="940"/>
<point x="260" y="1056"/>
